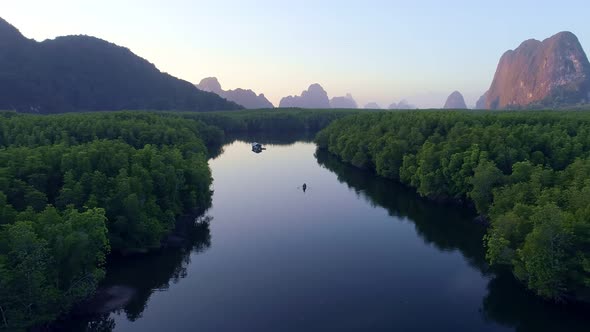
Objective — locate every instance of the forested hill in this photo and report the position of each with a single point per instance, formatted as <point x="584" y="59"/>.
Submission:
<point x="82" y="73"/>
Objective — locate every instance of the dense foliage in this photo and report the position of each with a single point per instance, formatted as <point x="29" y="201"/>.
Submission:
<point x="73" y="187"/>
<point x="272" y="120"/>
<point x="529" y="172"/>
<point x="134" y="128"/>
<point x="82" y="73"/>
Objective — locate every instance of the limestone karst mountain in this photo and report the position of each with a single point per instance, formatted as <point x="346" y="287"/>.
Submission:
<point x="481" y="102"/>
<point x="247" y="98"/>
<point x="343" y="102"/>
<point x="372" y="106"/>
<point x="314" y="97"/>
<point x="402" y="105"/>
<point x="550" y="73"/>
<point x="455" y="101"/>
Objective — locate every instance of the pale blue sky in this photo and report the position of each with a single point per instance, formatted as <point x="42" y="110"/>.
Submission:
<point x="379" y="51"/>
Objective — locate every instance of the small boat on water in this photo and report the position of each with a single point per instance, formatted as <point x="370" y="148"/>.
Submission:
<point x="257" y="147"/>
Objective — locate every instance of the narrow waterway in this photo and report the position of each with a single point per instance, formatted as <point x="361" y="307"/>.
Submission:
<point x="352" y="252"/>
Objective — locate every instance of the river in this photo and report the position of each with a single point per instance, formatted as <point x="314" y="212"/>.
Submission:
<point x="354" y="252"/>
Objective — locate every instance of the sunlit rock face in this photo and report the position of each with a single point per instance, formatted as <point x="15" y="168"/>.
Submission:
<point x="552" y="72"/>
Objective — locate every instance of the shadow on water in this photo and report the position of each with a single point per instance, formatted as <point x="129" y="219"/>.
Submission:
<point x="439" y="224"/>
<point x="507" y="302"/>
<point x="135" y="279"/>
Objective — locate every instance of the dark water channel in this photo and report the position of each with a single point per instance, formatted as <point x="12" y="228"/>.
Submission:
<point x="353" y="252"/>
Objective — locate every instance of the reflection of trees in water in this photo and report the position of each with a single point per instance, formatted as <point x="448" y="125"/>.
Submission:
<point x="151" y="272"/>
<point x="277" y="138"/>
<point x="96" y="323"/>
<point x="446" y="227"/>
<point x="509" y="304"/>
<point x="507" y="301"/>
<point x="104" y="323"/>
<point x="163" y="268"/>
<point x="281" y="138"/>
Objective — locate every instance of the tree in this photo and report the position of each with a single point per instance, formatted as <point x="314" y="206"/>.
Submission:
<point x="544" y="254"/>
<point x="485" y="177"/>
<point x="28" y="295"/>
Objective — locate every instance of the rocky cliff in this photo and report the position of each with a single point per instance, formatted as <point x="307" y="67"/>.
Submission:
<point x="550" y="73"/>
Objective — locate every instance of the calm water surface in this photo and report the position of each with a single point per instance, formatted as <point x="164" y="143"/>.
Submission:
<point x="353" y="252"/>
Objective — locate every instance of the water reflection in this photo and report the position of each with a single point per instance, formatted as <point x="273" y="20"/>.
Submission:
<point x="507" y="301"/>
<point x="509" y="304"/>
<point x="144" y="275"/>
<point x="328" y="271"/>
<point x="98" y="323"/>
<point x="277" y="138"/>
<point x="438" y="224"/>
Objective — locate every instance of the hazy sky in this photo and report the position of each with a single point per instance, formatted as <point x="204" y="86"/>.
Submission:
<point x="379" y="51"/>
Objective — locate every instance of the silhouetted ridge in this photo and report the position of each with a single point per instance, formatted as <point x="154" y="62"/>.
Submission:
<point x="246" y="98"/>
<point x="82" y="73"/>
<point x="402" y="105"/>
<point x="8" y="31"/>
<point x="343" y="102"/>
<point x="314" y="97"/>
<point x="210" y="84"/>
<point x="372" y="106"/>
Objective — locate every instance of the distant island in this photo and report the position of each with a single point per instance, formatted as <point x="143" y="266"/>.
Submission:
<point x="372" y="106"/>
<point x="402" y="105"/>
<point x="314" y="97"/>
<point x="455" y="101"/>
<point x="343" y="102"/>
<point x="247" y="98"/>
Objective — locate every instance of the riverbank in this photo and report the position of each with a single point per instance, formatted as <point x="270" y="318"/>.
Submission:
<point x="127" y="174"/>
<point x="525" y="172"/>
<point x="191" y="233"/>
<point x="353" y="250"/>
